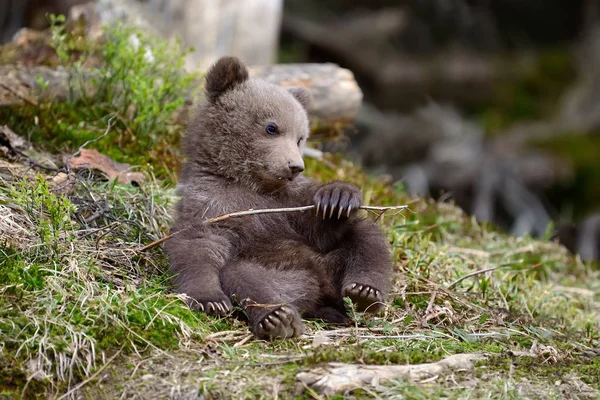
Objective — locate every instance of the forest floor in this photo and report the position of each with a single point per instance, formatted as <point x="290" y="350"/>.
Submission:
<point x="86" y="311"/>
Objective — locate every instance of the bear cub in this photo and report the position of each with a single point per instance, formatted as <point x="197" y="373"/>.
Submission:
<point x="244" y="150"/>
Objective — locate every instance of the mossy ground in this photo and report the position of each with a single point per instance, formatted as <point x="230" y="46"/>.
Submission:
<point x="85" y="312"/>
<point x="85" y="306"/>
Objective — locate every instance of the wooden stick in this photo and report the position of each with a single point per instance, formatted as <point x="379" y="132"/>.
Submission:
<point x="238" y="214"/>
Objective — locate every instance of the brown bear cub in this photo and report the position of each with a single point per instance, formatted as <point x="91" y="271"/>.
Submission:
<point x="244" y="150"/>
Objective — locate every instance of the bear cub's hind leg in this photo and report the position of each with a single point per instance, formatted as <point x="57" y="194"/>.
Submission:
<point x="368" y="267"/>
<point x="366" y="298"/>
<point x="367" y="270"/>
<point x="271" y="298"/>
<point x="280" y="323"/>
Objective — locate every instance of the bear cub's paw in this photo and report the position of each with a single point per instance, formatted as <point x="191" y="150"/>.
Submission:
<point x="366" y="298"/>
<point x="337" y="200"/>
<point x="283" y="322"/>
<point x="218" y="305"/>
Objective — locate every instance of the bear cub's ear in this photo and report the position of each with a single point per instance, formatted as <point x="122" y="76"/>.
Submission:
<point x="302" y="95"/>
<point x="224" y="75"/>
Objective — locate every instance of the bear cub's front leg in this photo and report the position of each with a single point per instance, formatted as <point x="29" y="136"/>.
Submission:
<point x="211" y="301"/>
<point x="339" y="201"/>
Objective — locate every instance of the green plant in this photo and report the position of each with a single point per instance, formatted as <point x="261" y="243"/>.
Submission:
<point x="51" y="214"/>
<point x="123" y="96"/>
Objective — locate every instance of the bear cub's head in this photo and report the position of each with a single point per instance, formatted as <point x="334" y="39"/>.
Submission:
<point x="250" y="130"/>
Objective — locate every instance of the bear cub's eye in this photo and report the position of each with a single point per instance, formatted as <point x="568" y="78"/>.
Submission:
<point x="299" y="142"/>
<point x="272" y="129"/>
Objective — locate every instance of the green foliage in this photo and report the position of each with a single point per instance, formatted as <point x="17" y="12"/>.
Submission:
<point x="17" y="272"/>
<point x="123" y="95"/>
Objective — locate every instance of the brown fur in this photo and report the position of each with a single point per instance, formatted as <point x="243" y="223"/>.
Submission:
<point x="277" y="266"/>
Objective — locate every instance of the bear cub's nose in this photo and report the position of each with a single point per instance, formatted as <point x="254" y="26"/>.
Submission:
<point x="295" y="169"/>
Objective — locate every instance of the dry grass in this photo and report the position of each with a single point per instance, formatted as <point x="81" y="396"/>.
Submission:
<point x="73" y="283"/>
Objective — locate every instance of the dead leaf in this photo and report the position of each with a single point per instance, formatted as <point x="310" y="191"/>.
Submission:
<point x="112" y="169"/>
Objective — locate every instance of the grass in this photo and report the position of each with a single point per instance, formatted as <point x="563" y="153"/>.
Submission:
<point x="83" y="312"/>
<point x="75" y="294"/>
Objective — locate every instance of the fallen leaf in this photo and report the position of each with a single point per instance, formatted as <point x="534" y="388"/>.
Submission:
<point x="112" y="169"/>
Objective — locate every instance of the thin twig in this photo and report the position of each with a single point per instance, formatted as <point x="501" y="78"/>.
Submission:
<point x="431" y="302"/>
<point x="243" y="341"/>
<point x="406" y="337"/>
<point x="238" y="214"/>
<point x="479" y="272"/>
<point x="255" y="212"/>
<point x="106" y="132"/>
<point x="383" y="208"/>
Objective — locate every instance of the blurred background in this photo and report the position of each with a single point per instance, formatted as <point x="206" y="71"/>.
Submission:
<point x="492" y="104"/>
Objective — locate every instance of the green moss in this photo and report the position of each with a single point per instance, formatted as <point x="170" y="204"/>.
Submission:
<point x="398" y="356"/>
<point x="19" y="274"/>
<point x="13" y="380"/>
<point x="589" y="372"/>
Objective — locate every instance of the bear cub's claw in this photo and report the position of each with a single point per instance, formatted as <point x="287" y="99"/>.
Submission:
<point x="337" y="199"/>
<point x="220" y="307"/>
<point x="283" y="322"/>
<point x="365" y="297"/>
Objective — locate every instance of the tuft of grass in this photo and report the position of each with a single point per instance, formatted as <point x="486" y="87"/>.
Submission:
<point x="77" y="292"/>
